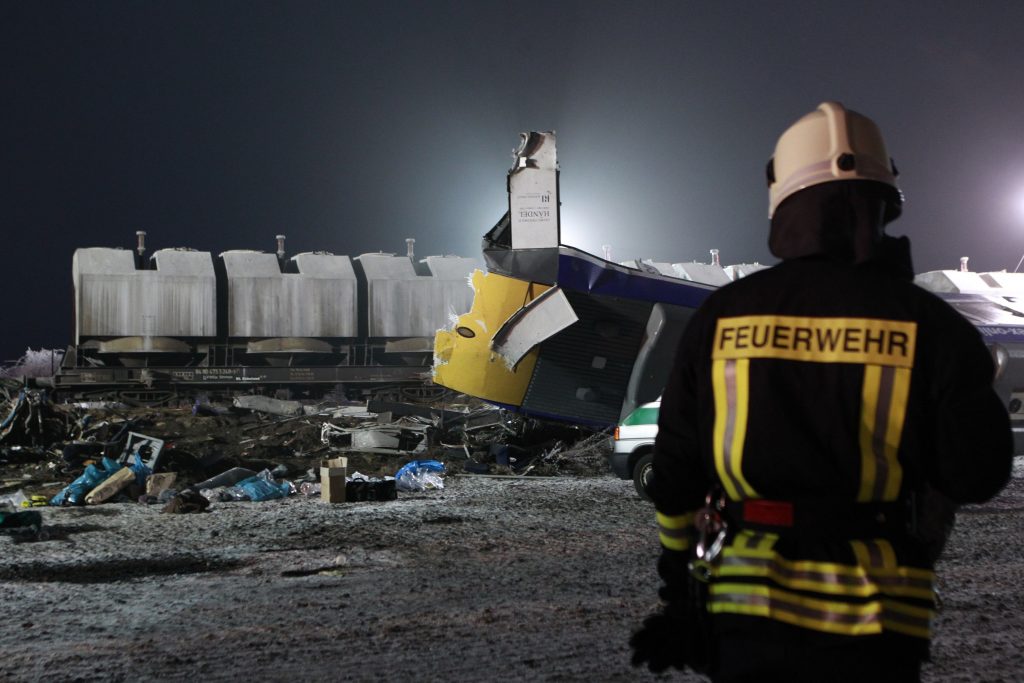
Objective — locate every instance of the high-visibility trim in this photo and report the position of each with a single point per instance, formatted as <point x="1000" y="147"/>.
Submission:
<point x="830" y="578"/>
<point x="762" y="541"/>
<point x="868" y="413"/>
<point x="674" y="531"/>
<point x="884" y="395"/>
<point x="682" y="521"/>
<point x="822" y="577"/>
<point x="730" y="380"/>
<point x="856" y="585"/>
<point x="828" y="616"/>
<point x="876" y="554"/>
<point x="787" y="607"/>
<point x="907" y="619"/>
<point x="722" y="428"/>
<point x="673" y="542"/>
<point x="875" y="574"/>
<point x="820" y="340"/>
<point x="897" y="416"/>
<point x="878" y="558"/>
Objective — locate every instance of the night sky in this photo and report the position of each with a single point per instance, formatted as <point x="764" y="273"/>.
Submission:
<point x="349" y="126"/>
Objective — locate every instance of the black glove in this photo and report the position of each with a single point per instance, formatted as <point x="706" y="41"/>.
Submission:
<point x="661" y="642"/>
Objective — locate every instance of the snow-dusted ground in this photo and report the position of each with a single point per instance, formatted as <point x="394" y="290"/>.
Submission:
<point x="489" y="579"/>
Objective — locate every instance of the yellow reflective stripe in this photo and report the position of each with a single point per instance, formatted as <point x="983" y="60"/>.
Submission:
<point x="675" y="521"/>
<point x="875" y="573"/>
<point x="781" y="605"/>
<point x="868" y="411"/>
<point x="730" y="381"/>
<point x="878" y="557"/>
<point x="755" y="540"/>
<point x="886" y="552"/>
<point x="876" y="553"/>
<point x="883" y="411"/>
<point x="897" y="414"/>
<point x="722" y="417"/>
<point x="831" y="583"/>
<point x="673" y="542"/>
<point x="674" y="531"/>
<point x="907" y="619"/>
<point x="798" y="565"/>
<point x="740" y="429"/>
<point x="821" y="615"/>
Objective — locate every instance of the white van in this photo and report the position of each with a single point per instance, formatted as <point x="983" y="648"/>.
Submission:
<point x="633" y="452"/>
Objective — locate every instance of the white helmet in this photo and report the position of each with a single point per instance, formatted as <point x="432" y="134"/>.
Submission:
<point x="831" y="143"/>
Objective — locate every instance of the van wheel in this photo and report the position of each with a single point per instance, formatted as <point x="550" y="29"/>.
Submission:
<point x="643" y="475"/>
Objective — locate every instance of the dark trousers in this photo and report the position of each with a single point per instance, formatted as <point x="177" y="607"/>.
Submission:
<point x="761" y="650"/>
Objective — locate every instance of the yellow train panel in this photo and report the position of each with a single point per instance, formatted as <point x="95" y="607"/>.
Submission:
<point x="463" y="359"/>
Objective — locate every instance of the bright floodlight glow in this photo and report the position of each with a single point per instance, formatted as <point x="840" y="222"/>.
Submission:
<point x="574" y="232"/>
<point x="1018" y="204"/>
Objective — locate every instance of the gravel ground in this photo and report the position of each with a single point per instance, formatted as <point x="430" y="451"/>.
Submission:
<point x="496" y="579"/>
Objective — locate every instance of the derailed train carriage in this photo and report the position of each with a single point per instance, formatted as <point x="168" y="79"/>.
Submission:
<point x="180" y="321"/>
<point x="994" y="303"/>
<point x="560" y="333"/>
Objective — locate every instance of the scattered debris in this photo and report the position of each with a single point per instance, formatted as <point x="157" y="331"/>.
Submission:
<point x="186" y="502"/>
<point x="41" y="363"/>
<point x="259" y="448"/>
<point x="420" y="475"/>
<point x="360" y="487"/>
<point x="266" y="404"/>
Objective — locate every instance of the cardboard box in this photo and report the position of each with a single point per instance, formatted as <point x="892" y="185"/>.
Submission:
<point x="332" y="480"/>
<point x="158" y="483"/>
<point x="110" y="486"/>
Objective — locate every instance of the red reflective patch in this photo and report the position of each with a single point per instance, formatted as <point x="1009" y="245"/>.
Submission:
<point x="771" y="512"/>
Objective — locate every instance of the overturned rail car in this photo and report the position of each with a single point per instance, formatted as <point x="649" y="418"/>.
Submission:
<point x="557" y="332"/>
<point x="182" y="321"/>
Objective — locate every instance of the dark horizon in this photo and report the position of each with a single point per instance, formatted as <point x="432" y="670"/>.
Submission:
<point x="351" y="126"/>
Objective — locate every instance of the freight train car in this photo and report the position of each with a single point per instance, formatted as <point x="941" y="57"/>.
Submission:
<point x="182" y="321"/>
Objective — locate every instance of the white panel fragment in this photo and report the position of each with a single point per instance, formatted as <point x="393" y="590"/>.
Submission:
<point x="542" y="318"/>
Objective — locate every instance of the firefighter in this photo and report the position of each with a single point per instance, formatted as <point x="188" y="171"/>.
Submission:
<point x="811" y="408"/>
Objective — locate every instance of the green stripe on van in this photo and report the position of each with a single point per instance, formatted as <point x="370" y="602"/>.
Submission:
<point x="644" y="415"/>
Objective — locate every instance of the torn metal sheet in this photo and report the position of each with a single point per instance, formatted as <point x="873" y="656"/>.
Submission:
<point x="1008" y="303"/>
<point x="463" y="359"/>
<point x="334" y="435"/>
<point x="544" y="317"/>
<point x="738" y="270"/>
<point x="405" y="438"/>
<point x="266" y="404"/>
<point x="533" y="192"/>
<point x="708" y="273"/>
<point x="657" y="351"/>
<point x="535" y="265"/>
<point x="358" y="412"/>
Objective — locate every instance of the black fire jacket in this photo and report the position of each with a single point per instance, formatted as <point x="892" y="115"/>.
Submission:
<point x="834" y="385"/>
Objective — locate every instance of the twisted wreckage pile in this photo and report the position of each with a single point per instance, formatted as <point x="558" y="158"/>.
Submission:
<point x="185" y="456"/>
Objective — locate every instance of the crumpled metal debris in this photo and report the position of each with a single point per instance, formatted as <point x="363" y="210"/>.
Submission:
<point x="52" y="444"/>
